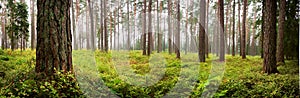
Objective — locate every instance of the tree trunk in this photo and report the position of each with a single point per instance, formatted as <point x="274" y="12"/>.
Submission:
<point x="177" y="39"/>
<point x="280" y="54"/>
<point x="222" y="41"/>
<point x="202" y="31"/>
<point x="4" y="36"/>
<point x="32" y="25"/>
<point x="128" y="26"/>
<point x="169" y="26"/>
<point x="159" y="40"/>
<point x="54" y="46"/>
<point x="206" y="25"/>
<point x="263" y="28"/>
<point x="244" y="30"/>
<point x="144" y="35"/>
<point x="227" y="26"/>
<point x="149" y="28"/>
<point x="74" y="27"/>
<point x="105" y="28"/>
<point x="239" y="27"/>
<point x="186" y="28"/>
<point x="92" y="25"/>
<point x="88" y="46"/>
<point x="233" y="30"/>
<point x="270" y="38"/>
<point x="253" y="44"/>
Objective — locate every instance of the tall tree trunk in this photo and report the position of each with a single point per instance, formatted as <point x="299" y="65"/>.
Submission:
<point x="253" y="43"/>
<point x="202" y="31"/>
<point x="159" y="34"/>
<point x="227" y="25"/>
<point x="144" y="35"/>
<point x="32" y="25"/>
<point x="222" y="41"/>
<point x="263" y="28"/>
<point x="149" y="28"/>
<point x="92" y="24"/>
<point x="280" y="54"/>
<point x="186" y="28"/>
<point x="244" y="30"/>
<point x="169" y="26"/>
<point x="102" y="26"/>
<point x="105" y="27"/>
<point x="233" y="30"/>
<point x="177" y="39"/>
<point x="54" y="46"/>
<point x="74" y="27"/>
<point x="88" y="46"/>
<point x="270" y="38"/>
<point x="206" y="35"/>
<point x="4" y="36"/>
<point x="128" y="26"/>
<point x="239" y="26"/>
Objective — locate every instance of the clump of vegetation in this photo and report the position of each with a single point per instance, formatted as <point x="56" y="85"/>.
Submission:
<point x="21" y="80"/>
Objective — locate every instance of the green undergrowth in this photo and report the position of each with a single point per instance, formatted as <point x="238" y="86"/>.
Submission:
<point x="130" y="74"/>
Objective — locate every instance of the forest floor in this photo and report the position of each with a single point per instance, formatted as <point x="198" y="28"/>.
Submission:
<point x="130" y="74"/>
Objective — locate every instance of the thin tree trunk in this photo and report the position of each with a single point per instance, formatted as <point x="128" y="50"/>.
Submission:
<point x="233" y="30"/>
<point x="169" y="26"/>
<point x="244" y="30"/>
<point x="32" y="25"/>
<point x="149" y="28"/>
<point x="253" y="44"/>
<point x="206" y="35"/>
<point x="105" y="28"/>
<point x="159" y="43"/>
<point x="239" y="26"/>
<point x="92" y="25"/>
<point x="222" y="41"/>
<point x="263" y="28"/>
<point x="280" y="54"/>
<point x="186" y="28"/>
<point x="74" y="26"/>
<point x="128" y="25"/>
<point x="177" y="39"/>
<point x="144" y="35"/>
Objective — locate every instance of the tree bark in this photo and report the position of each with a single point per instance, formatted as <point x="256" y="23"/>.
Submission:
<point x="169" y="26"/>
<point x="280" y="54"/>
<point x="74" y="27"/>
<point x="270" y="38"/>
<point x="222" y="41"/>
<point x="263" y="28"/>
<point x="233" y="30"/>
<point x="177" y="39"/>
<point x="253" y="44"/>
<point x="105" y="27"/>
<point x="144" y="35"/>
<point x="206" y="35"/>
<point x="32" y="25"/>
<point x="202" y="31"/>
<point x="244" y="30"/>
<point x="54" y="45"/>
<point x="239" y="27"/>
<point x="92" y="24"/>
<point x="149" y="28"/>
